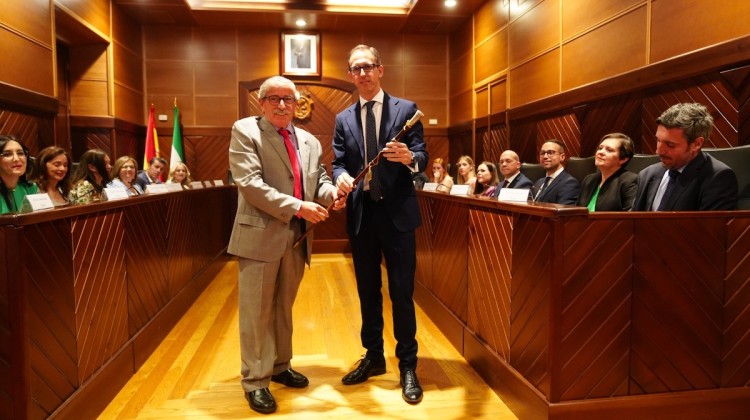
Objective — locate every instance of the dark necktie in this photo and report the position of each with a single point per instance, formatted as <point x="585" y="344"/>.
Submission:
<point x="673" y="174"/>
<point x="371" y="139"/>
<point x="544" y="186"/>
<point x="505" y="184"/>
<point x="294" y="161"/>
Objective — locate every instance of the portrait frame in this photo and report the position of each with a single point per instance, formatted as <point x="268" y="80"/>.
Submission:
<point x="300" y="53"/>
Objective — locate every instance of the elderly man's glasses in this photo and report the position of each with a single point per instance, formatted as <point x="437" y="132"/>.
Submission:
<point x="8" y="154"/>
<point x="275" y="100"/>
<point x="367" y="68"/>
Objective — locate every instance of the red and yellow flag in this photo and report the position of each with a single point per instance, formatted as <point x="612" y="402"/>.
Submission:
<point x="152" y="140"/>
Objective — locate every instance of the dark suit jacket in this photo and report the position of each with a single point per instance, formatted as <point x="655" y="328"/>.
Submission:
<point x="399" y="196"/>
<point x="562" y="190"/>
<point x="520" y="182"/>
<point x="705" y="184"/>
<point x="142" y="180"/>
<point x="617" y="193"/>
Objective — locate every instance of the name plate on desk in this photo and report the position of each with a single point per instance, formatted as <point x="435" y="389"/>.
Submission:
<point x="460" y="189"/>
<point x="173" y="187"/>
<point x="36" y="202"/>
<point x="218" y="183"/>
<point x="430" y="186"/>
<point x="196" y="185"/>
<point x="156" y="188"/>
<point x="114" y="193"/>
<point x="207" y="184"/>
<point x="514" y="195"/>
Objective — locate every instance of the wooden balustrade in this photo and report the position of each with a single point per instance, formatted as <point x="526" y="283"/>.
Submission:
<point x="88" y="292"/>
<point x="609" y="315"/>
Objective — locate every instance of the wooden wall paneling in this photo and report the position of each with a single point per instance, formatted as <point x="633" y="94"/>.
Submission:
<point x="30" y="129"/>
<point x="498" y="99"/>
<point x="534" y="32"/>
<point x="738" y="80"/>
<point x="565" y="128"/>
<point x="535" y="79"/>
<point x="590" y="57"/>
<point x="523" y="138"/>
<point x="8" y="344"/>
<point x="85" y="138"/>
<point x="206" y="156"/>
<point x="95" y="13"/>
<point x="461" y="108"/>
<point x="180" y="233"/>
<point x="596" y="299"/>
<point x="580" y="15"/>
<point x="669" y="38"/>
<point x="31" y="18"/>
<point x="481" y="102"/>
<point x="531" y="270"/>
<point x="481" y="133"/>
<point x="460" y="76"/>
<point x="491" y="56"/>
<point x="438" y="147"/>
<point x="27" y="55"/>
<point x="677" y="307"/>
<point x="145" y="244"/>
<point x="490" y="259"/>
<point x="490" y="17"/>
<point x="621" y="114"/>
<point x="736" y="323"/>
<point x="449" y="267"/>
<point x="51" y="325"/>
<point x="100" y="289"/>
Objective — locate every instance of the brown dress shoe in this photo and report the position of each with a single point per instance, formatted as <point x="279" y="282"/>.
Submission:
<point x="261" y="401"/>
<point x="291" y="378"/>
<point x="367" y="367"/>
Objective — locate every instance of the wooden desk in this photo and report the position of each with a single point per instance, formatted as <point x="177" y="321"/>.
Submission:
<point x="87" y="293"/>
<point x="609" y="315"/>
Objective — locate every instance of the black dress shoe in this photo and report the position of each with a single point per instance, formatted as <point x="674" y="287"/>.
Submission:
<point x="291" y="378"/>
<point x="411" y="391"/>
<point x="367" y="367"/>
<point x="261" y="401"/>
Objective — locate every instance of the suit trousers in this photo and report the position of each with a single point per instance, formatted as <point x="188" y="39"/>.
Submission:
<point x="378" y="238"/>
<point x="266" y="294"/>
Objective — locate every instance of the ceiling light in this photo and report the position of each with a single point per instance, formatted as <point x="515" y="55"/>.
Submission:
<point x="450" y="3"/>
<point x="301" y="23"/>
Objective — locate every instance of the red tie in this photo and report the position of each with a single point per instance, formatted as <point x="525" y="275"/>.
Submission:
<point x="294" y="161"/>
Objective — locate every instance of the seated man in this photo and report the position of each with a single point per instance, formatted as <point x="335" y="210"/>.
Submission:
<point x="558" y="186"/>
<point x="510" y="169"/>
<point x="686" y="178"/>
<point x="152" y="175"/>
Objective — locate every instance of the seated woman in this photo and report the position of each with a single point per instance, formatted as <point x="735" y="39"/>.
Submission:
<point x="440" y="176"/>
<point x="180" y="175"/>
<point x="90" y="178"/>
<point x="466" y="175"/>
<point x="52" y="174"/>
<point x="123" y="175"/>
<point x="487" y="179"/>
<point x="611" y="187"/>
<point x="13" y="183"/>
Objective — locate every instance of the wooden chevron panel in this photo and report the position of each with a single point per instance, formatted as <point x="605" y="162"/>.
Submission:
<point x="677" y="305"/>
<point x="424" y="236"/>
<point x="179" y="229"/>
<point x="596" y="310"/>
<point x="51" y="321"/>
<point x="490" y="258"/>
<point x="710" y="90"/>
<point x="620" y="114"/>
<point x="529" y="294"/>
<point x="207" y="156"/>
<point x="33" y="131"/>
<point x="736" y="366"/>
<point x="523" y="139"/>
<point x="738" y="80"/>
<point x="205" y="224"/>
<point x="496" y="142"/>
<point x="148" y="289"/>
<point x="128" y="143"/>
<point x="449" y="266"/>
<point x="100" y="289"/>
<point x="85" y="138"/>
<point x="564" y="128"/>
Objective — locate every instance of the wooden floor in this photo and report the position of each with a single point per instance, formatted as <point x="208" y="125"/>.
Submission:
<point x="194" y="373"/>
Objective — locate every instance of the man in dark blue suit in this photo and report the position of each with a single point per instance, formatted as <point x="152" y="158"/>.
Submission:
<point x="686" y="178"/>
<point x="510" y="168"/>
<point x="558" y="186"/>
<point x="382" y="214"/>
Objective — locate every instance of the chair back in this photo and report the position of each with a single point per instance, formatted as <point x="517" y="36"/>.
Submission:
<point x="737" y="158"/>
<point x="533" y="171"/>
<point x="580" y="167"/>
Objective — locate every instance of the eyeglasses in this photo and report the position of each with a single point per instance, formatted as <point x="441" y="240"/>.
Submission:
<point x="368" y="68"/>
<point x="8" y="154"/>
<point x="548" y="152"/>
<point x="274" y="100"/>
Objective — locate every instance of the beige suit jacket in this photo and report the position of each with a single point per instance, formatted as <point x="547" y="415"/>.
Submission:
<point x="261" y="170"/>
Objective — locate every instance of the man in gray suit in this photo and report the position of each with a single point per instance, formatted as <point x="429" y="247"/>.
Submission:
<point x="277" y="169"/>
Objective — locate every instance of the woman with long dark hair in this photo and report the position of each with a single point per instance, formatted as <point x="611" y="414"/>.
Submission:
<point x="91" y="177"/>
<point x="14" y="185"/>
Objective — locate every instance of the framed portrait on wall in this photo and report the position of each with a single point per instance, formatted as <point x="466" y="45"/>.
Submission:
<point x="300" y="53"/>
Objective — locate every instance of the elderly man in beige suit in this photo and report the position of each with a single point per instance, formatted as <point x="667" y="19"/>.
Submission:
<point x="277" y="169"/>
